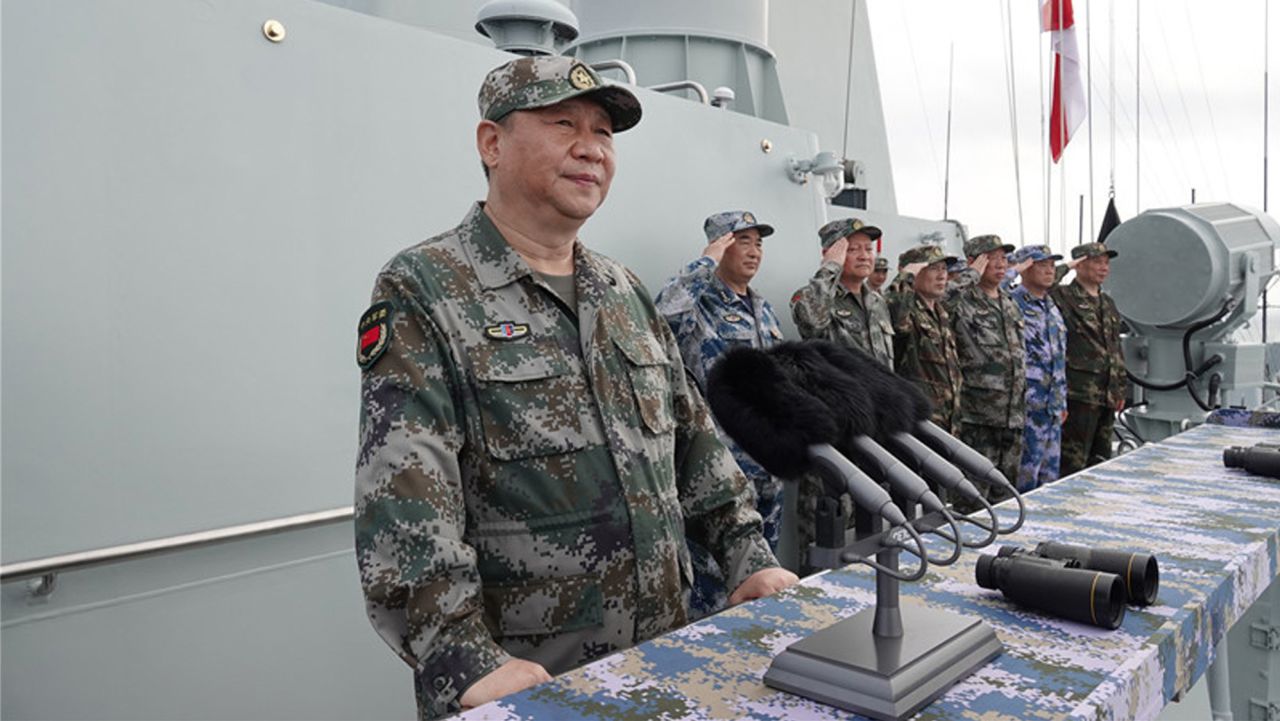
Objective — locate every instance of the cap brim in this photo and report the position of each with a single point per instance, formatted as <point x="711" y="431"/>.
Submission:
<point x="765" y="229"/>
<point x="870" y="231"/>
<point x="1054" y="257"/>
<point x="1008" y="248"/>
<point x="623" y="107"/>
<point x="1112" y="253"/>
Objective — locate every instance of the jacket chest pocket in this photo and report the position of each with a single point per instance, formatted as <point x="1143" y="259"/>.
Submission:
<point x="529" y="400"/>
<point x="649" y="374"/>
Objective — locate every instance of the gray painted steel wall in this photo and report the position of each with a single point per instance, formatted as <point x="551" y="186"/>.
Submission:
<point x="192" y="220"/>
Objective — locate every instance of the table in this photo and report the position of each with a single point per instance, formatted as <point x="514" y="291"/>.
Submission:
<point x="1216" y="532"/>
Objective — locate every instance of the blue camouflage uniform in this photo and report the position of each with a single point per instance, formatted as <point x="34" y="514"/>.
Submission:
<point x="1045" y="333"/>
<point x="709" y="319"/>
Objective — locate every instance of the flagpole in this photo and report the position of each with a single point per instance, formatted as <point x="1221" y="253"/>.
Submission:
<point x="1088" y="44"/>
<point x="1044" y="149"/>
<point x="1266" y="123"/>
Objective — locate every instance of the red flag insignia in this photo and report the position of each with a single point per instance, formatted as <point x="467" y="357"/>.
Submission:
<point x="373" y="334"/>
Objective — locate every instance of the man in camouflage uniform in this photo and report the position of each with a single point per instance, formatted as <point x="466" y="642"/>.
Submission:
<point x="712" y="309"/>
<point x="879" y="274"/>
<point x="1046" y="345"/>
<point x="923" y="342"/>
<point x="989" y="339"/>
<point x="837" y="304"/>
<point x="1095" y="364"/>
<point x="531" y="454"/>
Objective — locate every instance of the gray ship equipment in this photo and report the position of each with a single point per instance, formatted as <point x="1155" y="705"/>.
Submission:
<point x="1185" y="280"/>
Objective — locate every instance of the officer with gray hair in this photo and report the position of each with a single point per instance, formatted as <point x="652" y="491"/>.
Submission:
<point x="531" y="453"/>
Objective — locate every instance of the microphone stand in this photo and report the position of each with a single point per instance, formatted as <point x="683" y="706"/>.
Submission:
<point x="915" y="652"/>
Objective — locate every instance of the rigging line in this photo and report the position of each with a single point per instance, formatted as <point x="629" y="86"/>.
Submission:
<point x="1170" y="152"/>
<point x="1088" y="45"/>
<point x="924" y="110"/>
<point x="1062" y="129"/>
<point x="1111" y="48"/>
<point x="1006" y="19"/>
<point x="946" y="183"/>
<point x="848" y="80"/>
<point x="1204" y="89"/>
<point x="1137" y="101"/>
<point x="1126" y="122"/>
<point x="1164" y="113"/>
<point x="1195" y="138"/>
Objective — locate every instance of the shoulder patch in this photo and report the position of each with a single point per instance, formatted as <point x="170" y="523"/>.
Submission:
<point x="506" y="330"/>
<point x="373" y="335"/>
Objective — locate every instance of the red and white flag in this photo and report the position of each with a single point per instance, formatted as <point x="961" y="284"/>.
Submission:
<point x="1068" y="111"/>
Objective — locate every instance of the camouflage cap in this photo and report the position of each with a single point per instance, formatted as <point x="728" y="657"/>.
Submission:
<point x="1092" y="250"/>
<point x="927" y="253"/>
<point x="985" y="244"/>
<point x="543" y="81"/>
<point x="1033" y="253"/>
<point x="843" y="228"/>
<point x="731" y="221"/>
<point x="882" y="263"/>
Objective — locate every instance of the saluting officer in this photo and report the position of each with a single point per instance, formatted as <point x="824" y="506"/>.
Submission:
<point x="838" y="304"/>
<point x="989" y="338"/>
<point x="1046" y="345"/>
<point x="712" y="309"/>
<point x="531" y="454"/>
<point x="1095" y="363"/>
<point x="923" y="341"/>
<point x="879" y="274"/>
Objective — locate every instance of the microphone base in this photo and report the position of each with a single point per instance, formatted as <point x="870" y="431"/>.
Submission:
<point x="847" y="666"/>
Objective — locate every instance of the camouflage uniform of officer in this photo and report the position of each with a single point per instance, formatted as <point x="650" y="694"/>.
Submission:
<point x="826" y="309"/>
<point x="1095" y="368"/>
<point x="923" y="342"/>
<point x="881" y="266"/>
<point x="1046" y="345"/>
<point x="709" y="319"/>
<point x="527" y="471"/>
<point x="989" y="340"/>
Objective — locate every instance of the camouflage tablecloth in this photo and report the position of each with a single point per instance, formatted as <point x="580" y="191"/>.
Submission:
<point x="1215" y="531"/>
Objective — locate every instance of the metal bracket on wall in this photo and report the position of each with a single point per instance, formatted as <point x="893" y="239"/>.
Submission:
<point x="1264" y="636"/>
<point x="40" y="589"/>
<point x="1263" y="711"/>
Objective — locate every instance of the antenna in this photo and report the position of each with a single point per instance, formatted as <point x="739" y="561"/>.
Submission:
<point x="1266" y="123"/>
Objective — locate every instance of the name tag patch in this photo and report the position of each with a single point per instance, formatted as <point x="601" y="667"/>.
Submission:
<point x="506" y="330"/>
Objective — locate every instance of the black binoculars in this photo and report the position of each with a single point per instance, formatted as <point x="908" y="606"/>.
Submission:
<point x="1262" y="459"/>
<point x="1074" y="582"/>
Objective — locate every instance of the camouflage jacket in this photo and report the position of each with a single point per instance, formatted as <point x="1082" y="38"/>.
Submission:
<point x="989" y="340"/>
<point x="826" y="309"/>
<point x="925" y="350"/>
<point x="1046" y="343"/>
<point x="1095" y="362"/>
<point x="709" y="319"/>
<point x="526" y="477"/>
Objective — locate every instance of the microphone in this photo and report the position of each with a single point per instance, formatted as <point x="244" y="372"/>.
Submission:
<point x="759" y="402"/>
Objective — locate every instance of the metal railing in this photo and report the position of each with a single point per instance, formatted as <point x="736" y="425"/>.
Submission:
<point x="53" y="565"/>
<point x="622" y="65"/>
<point x="693" y="85"/>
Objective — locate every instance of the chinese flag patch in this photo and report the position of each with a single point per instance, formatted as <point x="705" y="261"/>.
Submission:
<point x="374" y="334"/>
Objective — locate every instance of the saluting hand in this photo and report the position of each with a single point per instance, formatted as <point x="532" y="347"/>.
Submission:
<point x="1074" y="262"/>
<point x="979" y="264"/>
<point x="715" y="250"/>
<point x="913" y="268"/>
<point x="514" y="675"/>
<point x="765" y="582"/>
<point x="1023" y="265"/>
<point x="837" y="252"/>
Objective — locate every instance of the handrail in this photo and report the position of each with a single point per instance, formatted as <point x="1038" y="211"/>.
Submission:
<point x="115" y="554"/>
<point x="622" y="65"/>
<point x="693" y="85"/>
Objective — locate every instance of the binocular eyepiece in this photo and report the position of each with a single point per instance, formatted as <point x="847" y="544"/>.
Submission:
<point x="1262" y="459"/>
<point x="1075" y="582"/>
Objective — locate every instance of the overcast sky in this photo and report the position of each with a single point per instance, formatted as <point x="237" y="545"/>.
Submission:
<point x="1201" y="115"/>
